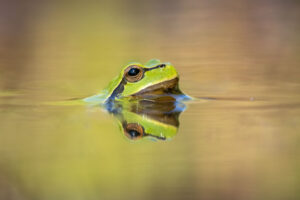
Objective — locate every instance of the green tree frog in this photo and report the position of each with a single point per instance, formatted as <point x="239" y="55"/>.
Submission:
<point x="153" y="81"/>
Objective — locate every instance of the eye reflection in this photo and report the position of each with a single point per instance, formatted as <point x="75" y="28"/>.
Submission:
<point x="133" y="133"/>
<point x="133" y="130"/>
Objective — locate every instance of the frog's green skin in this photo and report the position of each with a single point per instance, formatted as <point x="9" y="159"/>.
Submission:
<point x="148" y="120"/>
<point x="155" y="78"/>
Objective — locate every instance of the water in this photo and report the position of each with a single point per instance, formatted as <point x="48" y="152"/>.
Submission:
<point x="241" y="141"/>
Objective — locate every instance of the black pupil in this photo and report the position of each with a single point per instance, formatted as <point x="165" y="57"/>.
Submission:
<point x="134" y="133"/>
<point x="133" y="72"/>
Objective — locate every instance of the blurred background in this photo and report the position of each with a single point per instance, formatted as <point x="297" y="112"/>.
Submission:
<point x="229" y="148"/>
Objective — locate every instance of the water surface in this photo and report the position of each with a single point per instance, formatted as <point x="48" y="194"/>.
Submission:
<point x="241" y="141"/>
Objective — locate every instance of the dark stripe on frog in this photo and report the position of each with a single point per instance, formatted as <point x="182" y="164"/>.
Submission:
<point x="158" y="66"/>
<point x="120" y="88"/>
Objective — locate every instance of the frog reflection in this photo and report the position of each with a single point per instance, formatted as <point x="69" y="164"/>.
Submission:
<point x="146" y="119"/>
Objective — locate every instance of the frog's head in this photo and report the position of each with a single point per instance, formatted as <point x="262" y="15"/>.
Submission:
<point x="136" y="80"/>
<point x="154" y="80"/>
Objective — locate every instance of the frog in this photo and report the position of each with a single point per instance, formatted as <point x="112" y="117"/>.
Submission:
<point x="147" y="120"/>
<point x="153" y="81"/>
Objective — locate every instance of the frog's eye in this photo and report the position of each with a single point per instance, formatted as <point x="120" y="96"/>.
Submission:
<point x="134" y="131"/>
<point x="134" y="73"/>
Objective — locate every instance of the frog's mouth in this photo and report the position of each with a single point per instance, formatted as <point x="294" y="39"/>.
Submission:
<point x="161" y="91"/>
<point x="164" y="88"/>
